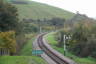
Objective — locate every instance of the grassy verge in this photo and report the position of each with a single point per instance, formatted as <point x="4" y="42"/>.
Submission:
<point x="26" y="56"/>
<point x="53" y="42"/>
<point x="27" y="49"/>
<point x="21" y="60"/>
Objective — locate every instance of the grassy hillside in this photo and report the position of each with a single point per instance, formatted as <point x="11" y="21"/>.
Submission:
<point x="36" y="10"/>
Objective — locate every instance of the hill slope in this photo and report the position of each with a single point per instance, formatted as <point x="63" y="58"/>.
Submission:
<point x="36" y="10"/>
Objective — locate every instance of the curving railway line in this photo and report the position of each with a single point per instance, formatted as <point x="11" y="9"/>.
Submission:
<point x="50" y="53"/>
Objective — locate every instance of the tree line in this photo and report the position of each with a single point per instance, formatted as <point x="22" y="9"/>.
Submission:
<point x="83" y="37"/>
<point x="47" y="25"/>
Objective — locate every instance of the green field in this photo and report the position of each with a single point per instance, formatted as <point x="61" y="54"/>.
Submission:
<point x="53" y="42"/>
<point x="36" y="10"/>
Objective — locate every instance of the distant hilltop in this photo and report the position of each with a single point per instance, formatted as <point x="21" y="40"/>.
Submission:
<point x="19" y="1"/>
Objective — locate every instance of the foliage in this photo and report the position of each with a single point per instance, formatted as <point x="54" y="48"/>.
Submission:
<point x="83" y="38"/>
<point x="31" y="25"/>
<point x="7" y="40"/>
<point x="57" y="22"/>
<point x="48" y="28"/>
<point x="27" y="48"/>
<point x="8" y="17"/>
<point x="83" y="42"/>
<point x="9" y="22"/>
<point x="78" y="60"/>
<point x="59" y="36"/>
<point x="30" y="28"/>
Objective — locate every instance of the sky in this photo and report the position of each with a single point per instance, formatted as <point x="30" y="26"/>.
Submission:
<point x="87" y="7"/>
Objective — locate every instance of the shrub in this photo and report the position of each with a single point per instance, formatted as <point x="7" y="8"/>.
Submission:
<point x="7" y="40"/>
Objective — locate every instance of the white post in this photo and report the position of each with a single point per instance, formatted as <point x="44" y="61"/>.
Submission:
<point x="40" y="30"/>
<point x="64" y="44"/>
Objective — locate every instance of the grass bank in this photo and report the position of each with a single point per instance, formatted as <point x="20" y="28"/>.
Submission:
<point x="21" y="60"/>
<point x="27" y="49"/>
<point x="51" y="40"/>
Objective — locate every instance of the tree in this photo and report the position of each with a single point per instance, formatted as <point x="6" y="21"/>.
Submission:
<point x="7" y="40"/>
<point x="57" y="22"/>
<point x="60" y="36"/>
<point x="83" y="42"/>
<point x="30" y="28"/>
<point x="8" y="17"/>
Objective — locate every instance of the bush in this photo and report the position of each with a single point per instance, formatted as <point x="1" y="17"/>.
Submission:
<point x="7" y="40"/>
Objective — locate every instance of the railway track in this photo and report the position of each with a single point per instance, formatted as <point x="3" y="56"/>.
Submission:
<point x="49" y="52"/>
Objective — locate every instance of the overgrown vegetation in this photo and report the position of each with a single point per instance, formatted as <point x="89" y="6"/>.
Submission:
<point x="8" y="26"/>
<point x="53" y="42"/>
<point x="27" y="48"/>
<point x="8" y="17"/>
<point x="82" y="45"/>
<point x="31" y="25"/>
<point x="83" y="37"/>
<point x="83" y="42"/>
